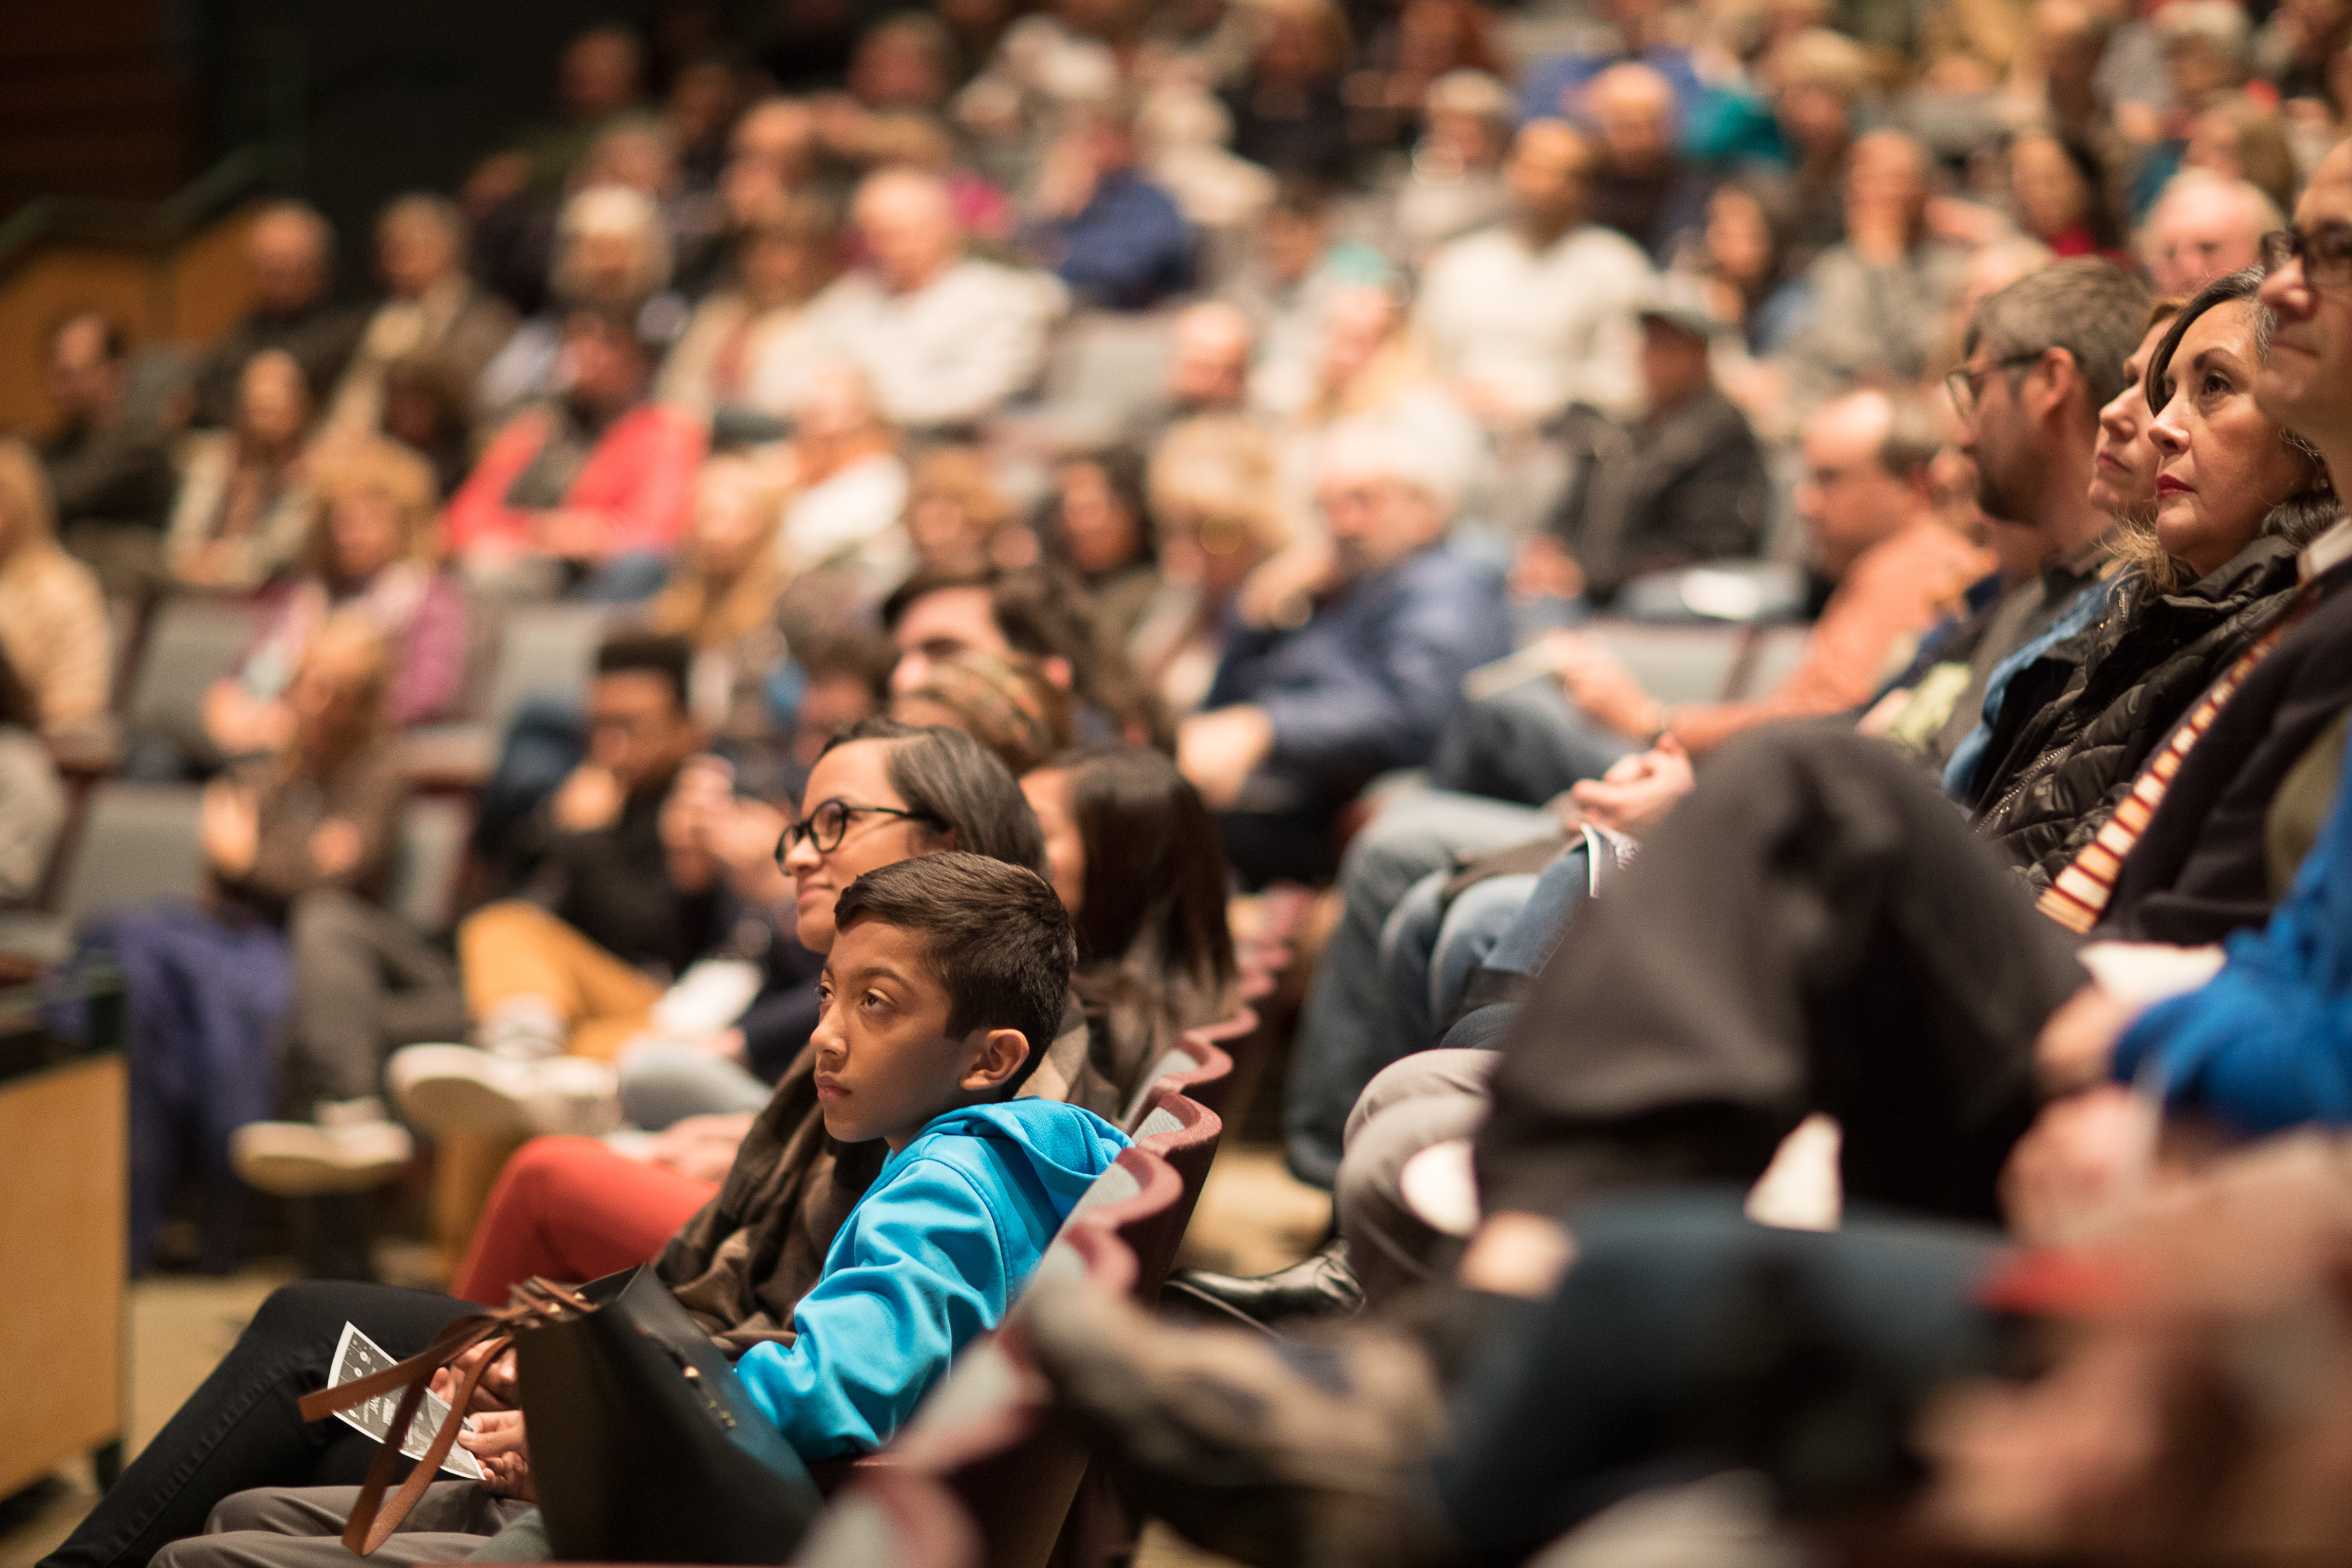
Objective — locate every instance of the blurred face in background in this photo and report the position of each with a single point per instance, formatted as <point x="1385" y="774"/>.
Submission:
<point x="288" y="252"/>
<point x="2048" y="189"/>
<point x="369" y="532"/>
<point x="2122" y="474"/>
<point x="84" y="384"/>
<point x="732" y="516"/>
<point x="1546" y="175"/>
<point x="909" y="229"/>
<point x="273" y="401"/>
<point x="415" y="251"/>
<point x="2196" y="235"/>
<point x="1100" y="531"/>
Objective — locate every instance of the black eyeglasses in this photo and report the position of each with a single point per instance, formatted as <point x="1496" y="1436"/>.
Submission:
<point x="2325" y="250"/>
<point x="1964" y="384"/>
<point x="828" y="825"/>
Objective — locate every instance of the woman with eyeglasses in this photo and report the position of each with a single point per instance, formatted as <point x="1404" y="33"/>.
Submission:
<point x="2211" y="568"/>
<point x="575" y="1208"/>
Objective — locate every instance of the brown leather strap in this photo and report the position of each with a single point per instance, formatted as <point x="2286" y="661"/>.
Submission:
<point x="373" y="1518"/>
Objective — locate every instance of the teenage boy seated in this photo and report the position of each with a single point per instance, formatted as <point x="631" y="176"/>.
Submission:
<point x="944" y="969"/>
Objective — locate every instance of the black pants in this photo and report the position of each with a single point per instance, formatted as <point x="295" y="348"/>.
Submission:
<point x="1687" y="1341"/>
<point x="242" y="1427"/>
<point x="1814" y="928"/>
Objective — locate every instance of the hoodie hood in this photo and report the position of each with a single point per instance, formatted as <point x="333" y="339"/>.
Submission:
<point x="1062" y="1147"/>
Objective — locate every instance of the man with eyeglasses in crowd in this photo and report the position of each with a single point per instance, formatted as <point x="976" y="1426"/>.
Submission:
<point x="2041" y="357"/>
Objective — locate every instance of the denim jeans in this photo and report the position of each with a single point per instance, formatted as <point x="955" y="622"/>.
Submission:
<point x="1349" y="1030"/>
<point x="242" y="1428"/>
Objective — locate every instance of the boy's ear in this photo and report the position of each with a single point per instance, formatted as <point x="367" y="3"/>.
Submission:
<point x="1002" y="1052"/>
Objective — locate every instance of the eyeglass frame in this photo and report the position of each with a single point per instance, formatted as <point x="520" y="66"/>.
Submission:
<point x="2294" y="242"/>
<point x="1960" y="376"/>
<point x="803" y="828"/>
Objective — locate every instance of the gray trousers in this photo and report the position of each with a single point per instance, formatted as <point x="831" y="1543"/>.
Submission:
<point x="302" y="1527"/>
<point x="365" y="984"/>
<point x="1424" y="1100"/>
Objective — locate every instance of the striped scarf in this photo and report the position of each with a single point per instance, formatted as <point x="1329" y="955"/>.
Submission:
<point x="2079" y="894"/>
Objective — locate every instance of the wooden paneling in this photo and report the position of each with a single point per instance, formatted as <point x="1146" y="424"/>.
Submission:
<point x="189" y="296"/>
<point x="62" y="1202"/>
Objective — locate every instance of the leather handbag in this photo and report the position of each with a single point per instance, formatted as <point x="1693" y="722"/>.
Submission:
<point x="644" y="1446"/>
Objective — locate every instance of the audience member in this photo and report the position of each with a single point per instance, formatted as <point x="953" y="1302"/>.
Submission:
<point x="2201" y="227"/>
<point x="32" y="796"/>
<point x="2040" y="359"/>
<point x="1532" y="315"/>
<point x="1113" y="237"/>
<point x="610" y="255"/>
<point x="1304" y="714"/>
<point x="1005" y="702"/>
<point x="1094" y="525"/>
<point x="1216" y="512"/>
<point x="2059" y="191"/>
<point x="1878" y="299"/>
<point x="721" y="600"/>
<point x="1454" y="182"/>
<point x="291" y="252"/>
<point x="751" y="344"/>
<point x="1210" y="345"/>
<point x="368" y="559"/>
<point x="1038" y="613"/>
<point x="1642" y="187"/>
<point x="1134" y="856"/>
<point x="944" y="339"/>
<point x="1288" y="112"/>
<point x="109" y="465"/>
<point x="1684" y="484"/>
<point x="245" y="502"/>
<point x="1872" y="528"/>
<point x="2236" y="500"/>
<point x="209" y="981"/>
<point x="588" y="493"/>
<point x="432" y="308"/>
<point x="53" y="626"/>
<point x="958" y="520"/>
<point x="848" y="486"/>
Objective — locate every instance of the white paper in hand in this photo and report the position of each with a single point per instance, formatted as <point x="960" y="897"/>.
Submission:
<point x="357" y="1356"/>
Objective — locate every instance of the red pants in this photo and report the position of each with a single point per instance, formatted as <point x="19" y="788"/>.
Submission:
<point x="571" y="1209"/>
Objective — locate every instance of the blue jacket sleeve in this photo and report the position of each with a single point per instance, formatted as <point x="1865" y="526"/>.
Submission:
<point x="925" y="1272"/>
<point x="1386" y="707"/>
<point x="2267" y="1044"/>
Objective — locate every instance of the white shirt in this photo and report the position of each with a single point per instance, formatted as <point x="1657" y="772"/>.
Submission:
<point x="947" y="353"/>
<point x="851" y="518"/>
<point x="1545" y="328"/>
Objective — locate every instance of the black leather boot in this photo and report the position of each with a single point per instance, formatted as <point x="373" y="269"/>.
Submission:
<point x="1321" y="1285"/>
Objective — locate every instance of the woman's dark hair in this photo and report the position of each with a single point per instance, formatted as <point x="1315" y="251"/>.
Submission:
<point x="1123" y="470"/>
<point x="2300" y="518"/>
<point x="957" y="782"/>
<point x="1152" y="938"/>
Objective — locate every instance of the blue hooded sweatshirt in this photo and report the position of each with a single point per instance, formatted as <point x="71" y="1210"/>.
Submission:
<point x="930" y="1258"/>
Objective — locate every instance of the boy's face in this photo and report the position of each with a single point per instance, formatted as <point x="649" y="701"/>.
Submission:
<point x="886" y="1063"/>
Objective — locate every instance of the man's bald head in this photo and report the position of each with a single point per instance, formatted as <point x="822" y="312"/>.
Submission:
<point x="2203" y="227"/>
<point x="1208" y="370"/>
<point x="1631" y="106"/>
<point x="292" y="251"/>
<point x="908" y="223"/>
<point x="1549" y="165"/>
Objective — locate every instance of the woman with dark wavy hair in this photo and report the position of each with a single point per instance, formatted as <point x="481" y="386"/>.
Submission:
<point x="1138" y="862"/>
<point x="2236" y="496"/>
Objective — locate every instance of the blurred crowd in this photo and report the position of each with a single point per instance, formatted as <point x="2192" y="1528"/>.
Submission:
<point x="1246" y="422"/>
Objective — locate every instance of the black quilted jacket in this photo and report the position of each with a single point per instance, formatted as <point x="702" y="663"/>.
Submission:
<point x="2077" y="725"/>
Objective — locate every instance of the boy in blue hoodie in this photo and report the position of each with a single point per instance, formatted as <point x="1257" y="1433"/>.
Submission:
<point x="945" y="969"/>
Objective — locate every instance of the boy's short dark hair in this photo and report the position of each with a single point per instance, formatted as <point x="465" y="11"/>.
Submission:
<point x="648" y="653"/>
<point x="996" y="936"/>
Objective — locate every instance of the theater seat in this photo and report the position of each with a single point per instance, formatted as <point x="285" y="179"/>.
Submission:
<point x="892" y="1518"/>
<point x="1193" y="1065"/>
<point x="137" y="844"/>
<point x="194" y="641"/>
